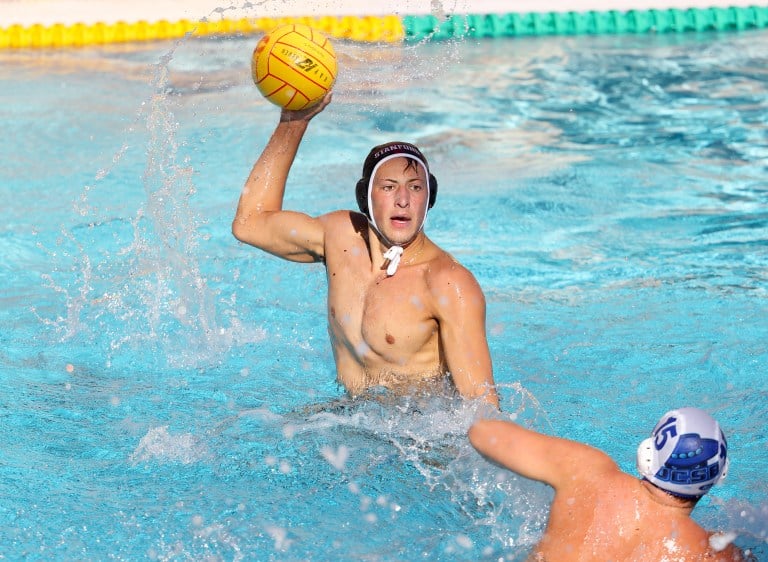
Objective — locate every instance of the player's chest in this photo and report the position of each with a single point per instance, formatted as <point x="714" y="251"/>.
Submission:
<point x="387" y="311"/>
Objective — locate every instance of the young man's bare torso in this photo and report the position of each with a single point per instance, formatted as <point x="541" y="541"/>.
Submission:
<point x="385" y="329"/>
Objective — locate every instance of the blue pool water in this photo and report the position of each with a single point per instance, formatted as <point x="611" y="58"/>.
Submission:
<point x="169" y="393"/>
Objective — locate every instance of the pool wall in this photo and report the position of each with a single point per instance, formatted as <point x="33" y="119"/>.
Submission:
<point x="73" y="23"/>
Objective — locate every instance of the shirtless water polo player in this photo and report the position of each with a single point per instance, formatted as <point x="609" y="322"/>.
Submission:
<point x="600" y="513"/>
<point x="402" y="313"/>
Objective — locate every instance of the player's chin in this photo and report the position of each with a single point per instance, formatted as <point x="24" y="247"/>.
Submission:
<point x="401" y="235"/>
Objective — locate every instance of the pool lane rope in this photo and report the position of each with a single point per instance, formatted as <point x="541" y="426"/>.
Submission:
<point x="391" y="29"/>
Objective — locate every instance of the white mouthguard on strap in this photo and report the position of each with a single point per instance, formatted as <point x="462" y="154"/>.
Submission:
<point x="393" y="256"/>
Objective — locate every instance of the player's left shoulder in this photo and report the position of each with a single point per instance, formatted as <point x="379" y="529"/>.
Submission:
<point x="445" y="270"/>
<point x="454" y="290"/>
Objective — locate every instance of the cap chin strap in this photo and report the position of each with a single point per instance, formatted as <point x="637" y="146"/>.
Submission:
<point x="395" y="252"/>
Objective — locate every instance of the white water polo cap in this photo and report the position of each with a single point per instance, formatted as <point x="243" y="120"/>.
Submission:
<point x="686" y="453"/>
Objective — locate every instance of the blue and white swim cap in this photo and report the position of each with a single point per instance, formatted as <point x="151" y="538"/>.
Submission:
<point x="686" y="453"/>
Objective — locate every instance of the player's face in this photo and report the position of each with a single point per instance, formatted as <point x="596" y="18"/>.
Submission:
<point x="399" y="197"/>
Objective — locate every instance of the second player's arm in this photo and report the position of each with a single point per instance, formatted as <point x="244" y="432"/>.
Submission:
<point x="556" y="461"/>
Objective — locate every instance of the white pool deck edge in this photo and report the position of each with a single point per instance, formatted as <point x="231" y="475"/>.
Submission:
<point x="69" y="12"/>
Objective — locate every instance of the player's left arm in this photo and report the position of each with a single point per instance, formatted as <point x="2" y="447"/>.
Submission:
<point x="460" y="306"/>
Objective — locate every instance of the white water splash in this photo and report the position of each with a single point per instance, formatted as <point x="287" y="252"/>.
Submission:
<point x="160" y="445"/>
<point x="337" y="458"/>
<point x="720" y="541"/>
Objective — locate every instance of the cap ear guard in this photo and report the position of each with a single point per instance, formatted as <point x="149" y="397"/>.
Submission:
<point x="361" y="194"/>
<point x="645" y="457"/>
<point x="724" y="473"/>
<point x="432" y="191"/>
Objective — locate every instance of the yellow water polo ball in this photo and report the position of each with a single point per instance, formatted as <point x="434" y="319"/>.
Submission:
<point x="294" y="66"/>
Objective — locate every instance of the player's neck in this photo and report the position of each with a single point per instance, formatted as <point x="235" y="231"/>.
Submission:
<point x="414" y="249"/>
<point x="661" y="497"/>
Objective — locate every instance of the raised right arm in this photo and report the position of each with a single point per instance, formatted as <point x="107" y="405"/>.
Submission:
<point x="260" y="219"/>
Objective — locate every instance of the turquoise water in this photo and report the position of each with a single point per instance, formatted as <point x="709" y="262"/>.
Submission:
<point x="169" y="393"/>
